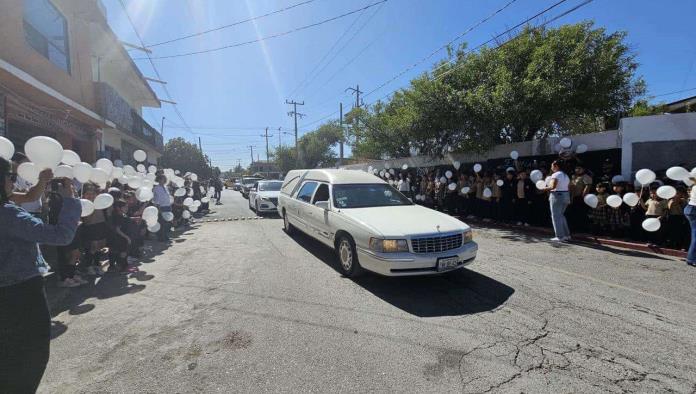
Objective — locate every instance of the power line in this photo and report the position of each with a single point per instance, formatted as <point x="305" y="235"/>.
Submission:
<point x="671" y="93"/>
<point x="231" y="24"/>
<point x="344" y="46"/>
<point x="268" y="37"/>
<point x="154" y="68"/>
<point x="445" y="46"/>
<point x="316" y="66"/>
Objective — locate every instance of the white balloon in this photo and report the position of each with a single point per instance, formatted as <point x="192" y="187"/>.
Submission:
<point x="487" y="193"/>
<point x="150" y="212"/>
<point x="154" y="228"/>
<point x="675" y="173"/>
<point x="105" y="164"/>
<point x="151" y="169"/>
<point x="186" y="214"/>
<point x="171" y="199"/>
<point x="82" y="172"/>
<point x="404" y="167"/>
<point x="452" y="186"/>
<point x="135" y="182"/>
<point x="180" y="192"/>
<point x="536" y="176"/>
<point x="140" y="168"/>
<point x="477" y="167"/>
<point x="167" y="216"/>
<point x="103" y="201"/>
<point x="631" y="199"/>
<point x="196" y="203"/>
<point x="443" y="179"/>
<point x="178" y="181"/>
<point x="44" y="151"/>
<point x="456" y="165"/>
<point x="465" y="189"/>
<point x="381" y="173"/>
<point x="123" y="179"/>
<point x="645" y="176"/>
<point x="651" y="224"/>
<point x="144" y="194"/>
<point x="582" y="148"/>
<point x="614" y="201"/>
<point x="177" y="172"/>
<point x="29" y="172"/>
<point x="7" y="148"/>
<point x="499" y="182"/>
<point x="205" y="200"/>
<point x="116" y="173"/>
<point x="63" y="171"/>
<point x="591" y="200"/>
<point x="139" y="155"/>
<point x="151" y="176"/>
<point x="193" y="208"/>
<point x="566" y="142"/>
<point x="540" y="184"/>
<point x="98" y="176"/>
<point x="194" y="177"/>
<point x="118" y="163"/>
<point x="151" y="221"/>
<point x="87" y="207"/>
<point x="448" y="174"/>
<point x="148" y="183"/>
<point x="188" y="201"/>
<point x="369" y="169"/>
<point x="129" y="170"/>
<point x="514" y="155"/>
<point x="666" y="192"/>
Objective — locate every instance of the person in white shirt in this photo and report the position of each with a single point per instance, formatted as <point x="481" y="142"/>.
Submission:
<point x="690" y="213"/>
<point x="164" y="204"/>
<point x="559" y="201"/>
<point x="404" y="185"/>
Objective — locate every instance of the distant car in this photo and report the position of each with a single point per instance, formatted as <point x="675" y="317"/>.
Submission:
<point x="247" y="183"/>
<point x="263" y="197"/>
<point x="373" y="226"/>
<point x="229" y="183"/>
<point x="237" y="186"/>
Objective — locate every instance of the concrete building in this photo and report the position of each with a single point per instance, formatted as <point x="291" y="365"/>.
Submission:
<point x="64" y="74"/>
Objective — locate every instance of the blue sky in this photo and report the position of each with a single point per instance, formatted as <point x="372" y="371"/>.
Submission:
<point x="228" y="97"/>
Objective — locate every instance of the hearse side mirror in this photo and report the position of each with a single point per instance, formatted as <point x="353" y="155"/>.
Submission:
<point x="322" y="204"/>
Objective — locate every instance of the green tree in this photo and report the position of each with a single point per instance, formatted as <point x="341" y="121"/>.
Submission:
<point x="315" y="147"/>
<point x="238" y="169"/>
<point x="541" y="83"/>
<point x="286" y="158"/>
<point x="184" y="156"/>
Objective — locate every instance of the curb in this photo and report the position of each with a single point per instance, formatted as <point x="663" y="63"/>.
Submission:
<point x="586" y="238"/>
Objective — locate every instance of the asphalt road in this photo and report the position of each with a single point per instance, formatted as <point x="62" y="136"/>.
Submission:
<point x="239" y="306"/>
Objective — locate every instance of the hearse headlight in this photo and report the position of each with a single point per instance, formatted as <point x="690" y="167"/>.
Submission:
<point x="468" y="236"/>
<point x="388" y="245"/>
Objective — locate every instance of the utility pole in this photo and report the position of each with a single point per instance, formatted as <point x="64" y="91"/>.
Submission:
<point x="266" y="135"/>
<point x="280" y="143"/>
<point x="252" y="153"/>
<point x="295" y="114"/>
<point x="162" y="128"/>
<point x="200" y="148"/>
<point x="356" y="92"/>
<point x="340" y="123"/>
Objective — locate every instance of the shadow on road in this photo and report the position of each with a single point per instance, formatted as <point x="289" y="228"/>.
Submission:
<point x="457" y="293"/>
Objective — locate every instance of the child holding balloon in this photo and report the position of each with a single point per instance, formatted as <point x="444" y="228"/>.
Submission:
<point x="655" y="207"/>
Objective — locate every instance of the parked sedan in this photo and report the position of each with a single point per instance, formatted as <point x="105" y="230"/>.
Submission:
<point x="263" y="197"/>
<point x="246" y="184"/>
<point x="372" y="226"/>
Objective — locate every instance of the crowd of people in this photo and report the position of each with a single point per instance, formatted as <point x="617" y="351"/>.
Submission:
<point x="49" y="216"/>
<point x="507" y="194"/>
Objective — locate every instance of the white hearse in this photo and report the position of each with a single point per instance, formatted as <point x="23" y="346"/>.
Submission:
<point x="371" y="225"/>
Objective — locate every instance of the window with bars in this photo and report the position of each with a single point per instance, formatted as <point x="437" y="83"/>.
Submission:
<point x="46" y="30"/>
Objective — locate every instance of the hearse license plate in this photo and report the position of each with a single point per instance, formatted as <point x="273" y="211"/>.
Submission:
<point x="447" y="263"/>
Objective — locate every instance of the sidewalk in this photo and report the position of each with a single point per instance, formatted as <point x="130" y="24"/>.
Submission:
<point x="586" y="238"/>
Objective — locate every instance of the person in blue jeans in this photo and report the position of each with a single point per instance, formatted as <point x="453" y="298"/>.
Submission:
<point x="25" y="322"/>
<point x="690" y="213"/>
<point x="559" y="201"/>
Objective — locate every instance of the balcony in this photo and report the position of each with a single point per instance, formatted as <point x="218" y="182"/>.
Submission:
<point x="113" y="107"/>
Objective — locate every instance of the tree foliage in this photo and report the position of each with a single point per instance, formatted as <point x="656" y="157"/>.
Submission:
<point x="541" y="83"/>
<point x="184" y="156"/>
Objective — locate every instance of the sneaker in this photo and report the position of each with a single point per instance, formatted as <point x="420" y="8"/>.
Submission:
<point x="556" y="239"/>
<point x="519" y="223"/>
<point x="68" y="282"/>
<point x="132" y="269"/>
<point x="526" y="225"/>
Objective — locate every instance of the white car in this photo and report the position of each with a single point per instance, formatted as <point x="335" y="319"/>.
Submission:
<point x="263" y="196"/>
<point x="371" y="225"/>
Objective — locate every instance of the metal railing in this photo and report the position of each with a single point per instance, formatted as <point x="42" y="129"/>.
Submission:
<point x="113" y="107"/>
